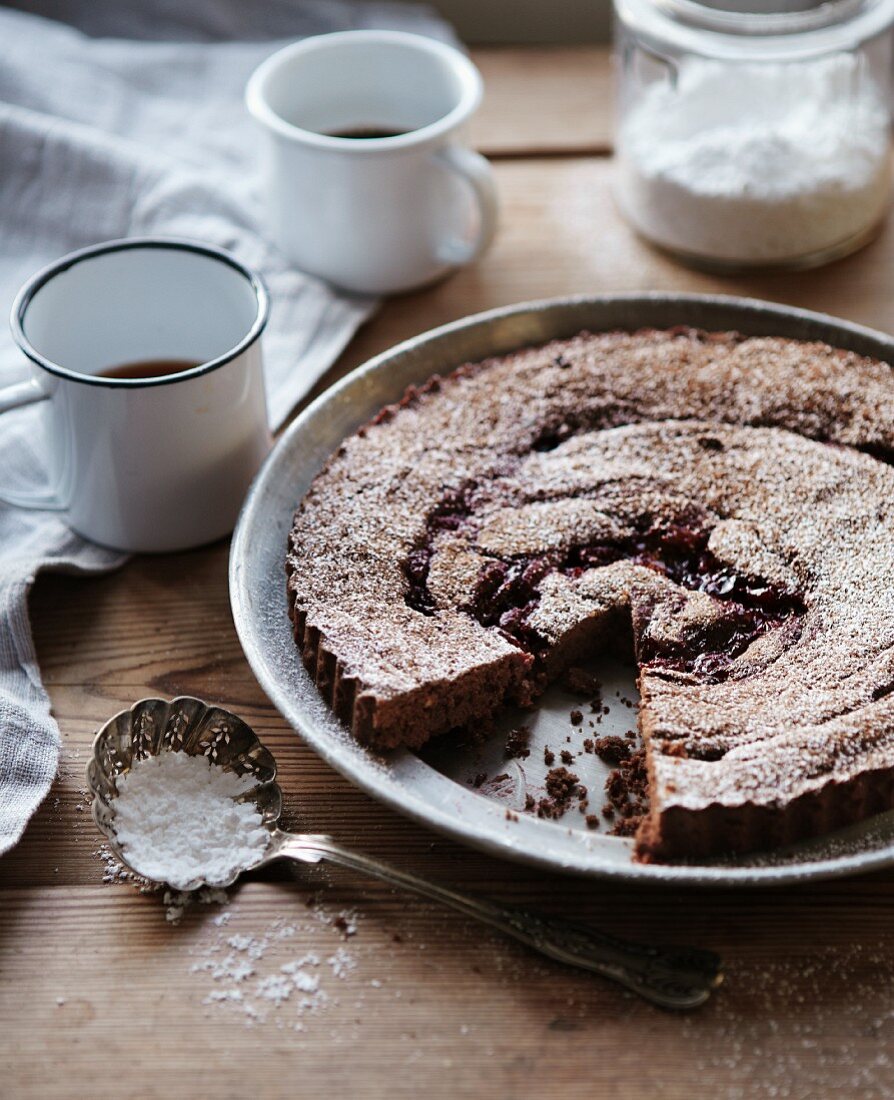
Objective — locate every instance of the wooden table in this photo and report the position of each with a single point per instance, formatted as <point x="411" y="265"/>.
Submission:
<point x="100" y="996"/>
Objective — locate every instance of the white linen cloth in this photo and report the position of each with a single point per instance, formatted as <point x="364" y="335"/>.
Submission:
<point x="116" y="120"/>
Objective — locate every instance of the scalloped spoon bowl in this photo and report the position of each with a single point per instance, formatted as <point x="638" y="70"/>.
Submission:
<point x="672" y="977"/>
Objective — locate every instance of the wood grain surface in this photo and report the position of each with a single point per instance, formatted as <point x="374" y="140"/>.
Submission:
<point x="550" y="102"/>
<point x="101" y="996"/>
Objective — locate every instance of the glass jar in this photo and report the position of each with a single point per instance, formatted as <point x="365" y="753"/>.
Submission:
<point x="756" y="138"/>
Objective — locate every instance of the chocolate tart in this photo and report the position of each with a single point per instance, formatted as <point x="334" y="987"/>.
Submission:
<point x="721" y="504"/>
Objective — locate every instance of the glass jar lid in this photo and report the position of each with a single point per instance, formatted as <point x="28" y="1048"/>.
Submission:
<point x="757" y="29"/>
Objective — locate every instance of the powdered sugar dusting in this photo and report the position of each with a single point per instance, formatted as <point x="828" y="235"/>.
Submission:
<point x="113" y="869"/>
<point x="255" y="974"/>
<point x="801" y="1028"/>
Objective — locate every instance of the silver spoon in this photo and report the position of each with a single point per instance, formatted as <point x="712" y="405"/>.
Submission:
<point x="672" y="977"/>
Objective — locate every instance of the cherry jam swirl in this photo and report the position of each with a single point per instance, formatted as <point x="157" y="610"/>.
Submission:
<point x="508" y="590"/>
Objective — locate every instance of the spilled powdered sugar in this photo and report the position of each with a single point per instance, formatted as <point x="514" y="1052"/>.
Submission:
<point x="113" y="870"/>
<point x="256" y="977"/>
<point x="176" y="902"/>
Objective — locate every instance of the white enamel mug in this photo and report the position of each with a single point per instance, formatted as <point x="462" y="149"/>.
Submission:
<point x="144" y="464"/>
<point x="373" y="215"/>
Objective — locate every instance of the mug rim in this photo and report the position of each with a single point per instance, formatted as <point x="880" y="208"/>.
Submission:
<point x="470" y="97"/>
<point x="178" y="244"/>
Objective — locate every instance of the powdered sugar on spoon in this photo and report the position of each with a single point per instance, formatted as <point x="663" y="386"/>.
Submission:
<point x="179" y="819"/>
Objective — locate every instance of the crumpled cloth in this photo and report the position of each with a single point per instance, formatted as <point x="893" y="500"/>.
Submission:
<point x="121" y="119"/>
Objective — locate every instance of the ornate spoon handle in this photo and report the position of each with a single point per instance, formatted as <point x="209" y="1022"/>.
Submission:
<point x="673" y="977"/>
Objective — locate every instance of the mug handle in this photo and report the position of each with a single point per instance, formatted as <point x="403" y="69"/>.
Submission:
<point x="478" y="174"/>
<point x="16" y="397"/>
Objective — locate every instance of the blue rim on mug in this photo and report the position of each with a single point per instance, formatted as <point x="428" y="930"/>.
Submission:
<point x="41" y="278"/>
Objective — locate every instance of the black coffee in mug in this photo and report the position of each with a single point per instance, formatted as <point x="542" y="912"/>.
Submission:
<point x="149" y="368"/>
<point x="366" y="132"/>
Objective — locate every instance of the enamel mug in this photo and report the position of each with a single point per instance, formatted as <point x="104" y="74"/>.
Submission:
<point x="149" y="463"/>
<point x="370" y="183"/>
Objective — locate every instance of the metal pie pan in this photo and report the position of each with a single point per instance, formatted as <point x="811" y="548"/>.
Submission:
<point x="403" y="781"/>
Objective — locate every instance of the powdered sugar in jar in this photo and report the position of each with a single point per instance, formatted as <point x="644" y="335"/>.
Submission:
<point x="751" y="139"/>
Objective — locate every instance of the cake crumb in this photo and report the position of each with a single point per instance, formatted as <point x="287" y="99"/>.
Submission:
<point x="517" y="743"/>
<point x="561" y="784"/>
<point x="581" y="682"/>
<point x="627" y="791"/>
<point x="613" y="750"/>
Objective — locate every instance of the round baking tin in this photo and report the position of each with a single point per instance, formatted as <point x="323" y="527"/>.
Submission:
<point x="403" y="781"/>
